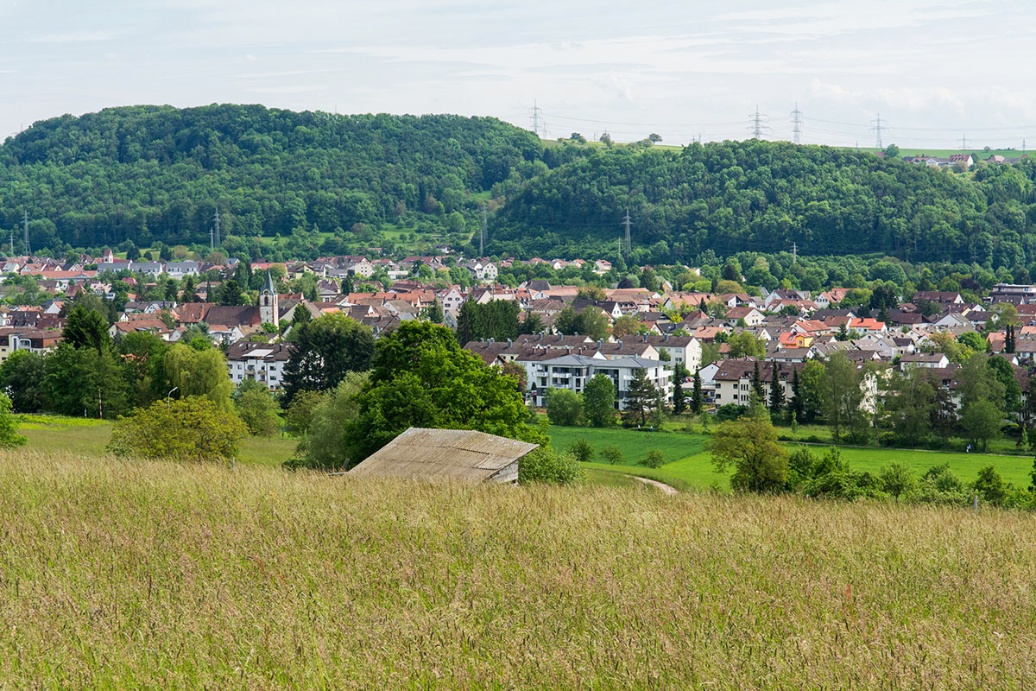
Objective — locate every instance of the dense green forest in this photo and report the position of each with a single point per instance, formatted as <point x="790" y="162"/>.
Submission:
<point x="159" y="174"/>
<point x="766" y="196"/>
<point x="329" y="184"/>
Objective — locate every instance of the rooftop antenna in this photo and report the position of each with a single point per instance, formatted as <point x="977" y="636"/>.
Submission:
<point x="796" y="130"/>
<point x="878" y="129"/>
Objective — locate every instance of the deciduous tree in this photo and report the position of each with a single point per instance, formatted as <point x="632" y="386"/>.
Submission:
<point x="324" y="351"/>
<point x="750" y="446"/>
<point x="421" y="377"/>
<point x="599" y="401"/>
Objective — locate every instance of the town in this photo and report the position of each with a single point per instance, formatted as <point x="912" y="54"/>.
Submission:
<point x="725" y="339"/>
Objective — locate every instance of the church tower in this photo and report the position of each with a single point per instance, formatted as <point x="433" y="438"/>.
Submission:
<point x="269" y="308"/>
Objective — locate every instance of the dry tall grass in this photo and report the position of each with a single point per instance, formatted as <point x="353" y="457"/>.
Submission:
<point x="129" y="574"/>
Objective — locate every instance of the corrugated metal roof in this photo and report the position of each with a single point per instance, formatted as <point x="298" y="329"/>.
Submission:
<point x="430" y="453"/>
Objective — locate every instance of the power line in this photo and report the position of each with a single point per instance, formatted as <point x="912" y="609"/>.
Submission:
<point x="756" y="125"/>
<point x="535" y="113"/>
<point x="878" y="129"/>
<point x="626" y="222"/>
<point x="214" y="239"/>
<point x="482" y="234"/>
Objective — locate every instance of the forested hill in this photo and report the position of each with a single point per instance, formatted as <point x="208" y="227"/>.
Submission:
<point x="334" y="184"/>
<point x="152" y="173"/>
<point x="765" y="196"/>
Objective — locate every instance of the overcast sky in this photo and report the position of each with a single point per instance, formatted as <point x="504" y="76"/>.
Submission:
<point x="935" y="70"/>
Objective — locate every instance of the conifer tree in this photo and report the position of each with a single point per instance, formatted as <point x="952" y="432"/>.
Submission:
<point x="797" y="405"/>
<point x="758" y="393"/>
<point x="776" y="392"/>
<point x="697" y="397"/>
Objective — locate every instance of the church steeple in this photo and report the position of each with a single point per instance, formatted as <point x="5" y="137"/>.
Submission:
<point x="269" y="304"/>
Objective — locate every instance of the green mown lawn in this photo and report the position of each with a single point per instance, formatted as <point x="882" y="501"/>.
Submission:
<point x="1014" y="469"/>
<point x="688" y="464"/>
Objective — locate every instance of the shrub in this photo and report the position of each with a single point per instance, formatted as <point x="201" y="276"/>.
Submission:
<point x="897" y="480"/>
<point x="730" y="411"/>
<point x="9" y="438"/>
<point x="545" y="465"/>
<point x="990" y="486"/>
<point x="653" y="459"/>
<point x="612" y="454"/>
<point x="564" y="407"/>
<point x="192" y="428"/>
<point x="582" y="450"/>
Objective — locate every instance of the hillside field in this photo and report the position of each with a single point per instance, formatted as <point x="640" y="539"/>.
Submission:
<point x="688" y="464"/>
<point x="132" y="574"/>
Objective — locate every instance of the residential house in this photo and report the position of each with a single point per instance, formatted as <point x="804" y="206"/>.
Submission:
<point x="262" y="362"/>
<point x="573" y="371"/>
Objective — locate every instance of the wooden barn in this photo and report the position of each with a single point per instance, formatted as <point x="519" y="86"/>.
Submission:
<point x="463" y="455"/>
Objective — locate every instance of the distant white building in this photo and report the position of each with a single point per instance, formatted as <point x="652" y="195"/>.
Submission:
<point x="573" y="371"/>
<point x="263" y="362"/>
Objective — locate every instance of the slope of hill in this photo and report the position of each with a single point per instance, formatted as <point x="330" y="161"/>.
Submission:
<point x="151" y="174"/>
<point x="159" y="173"/>
<point x="125" y="574"/>
<point x="765" y="196"/>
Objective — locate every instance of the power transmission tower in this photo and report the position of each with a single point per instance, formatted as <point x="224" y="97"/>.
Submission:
<point x="626" y="222"/>
<point x="794" y="252"/>
<point x="12" y="242"/>
<point x="878" y="129"/>
<point x="25" y="221"/>
<point x="534" y="113"/>
<point x="482" y="234"/>
<point x="215" y="230"/>
<point x="796" y="128"/>
<point x="964" y="142"/>
<point x="757" y="125"/>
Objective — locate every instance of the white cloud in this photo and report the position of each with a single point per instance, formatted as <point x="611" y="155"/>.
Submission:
<point x="654" y="66"/>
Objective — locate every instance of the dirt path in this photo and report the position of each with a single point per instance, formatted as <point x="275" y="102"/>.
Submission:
<point x="666" y="489"/>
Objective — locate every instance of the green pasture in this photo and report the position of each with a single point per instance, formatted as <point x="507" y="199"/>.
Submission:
<point x="87" y="437"/>
<point x="689" y="465"/>
<point x="1014" y="469"/>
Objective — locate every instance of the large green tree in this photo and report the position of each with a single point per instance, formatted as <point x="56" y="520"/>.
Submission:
<point x="599" y="401"/>
<point x="86" y="383"/>
<point x="421" y="377"/>
<point x="910" y="406"/>
<point x="324" y="350"/>
<point x="497" y="319"/>
<point x="645" y="403"/>
<point x="750" y="446"/>
<point x="199" y="372"/>
<point x="843" y="397"/>
<point x="21" y="376"/>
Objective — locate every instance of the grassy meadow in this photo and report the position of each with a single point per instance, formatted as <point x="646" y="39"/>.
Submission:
<point x="163" y="575"/>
